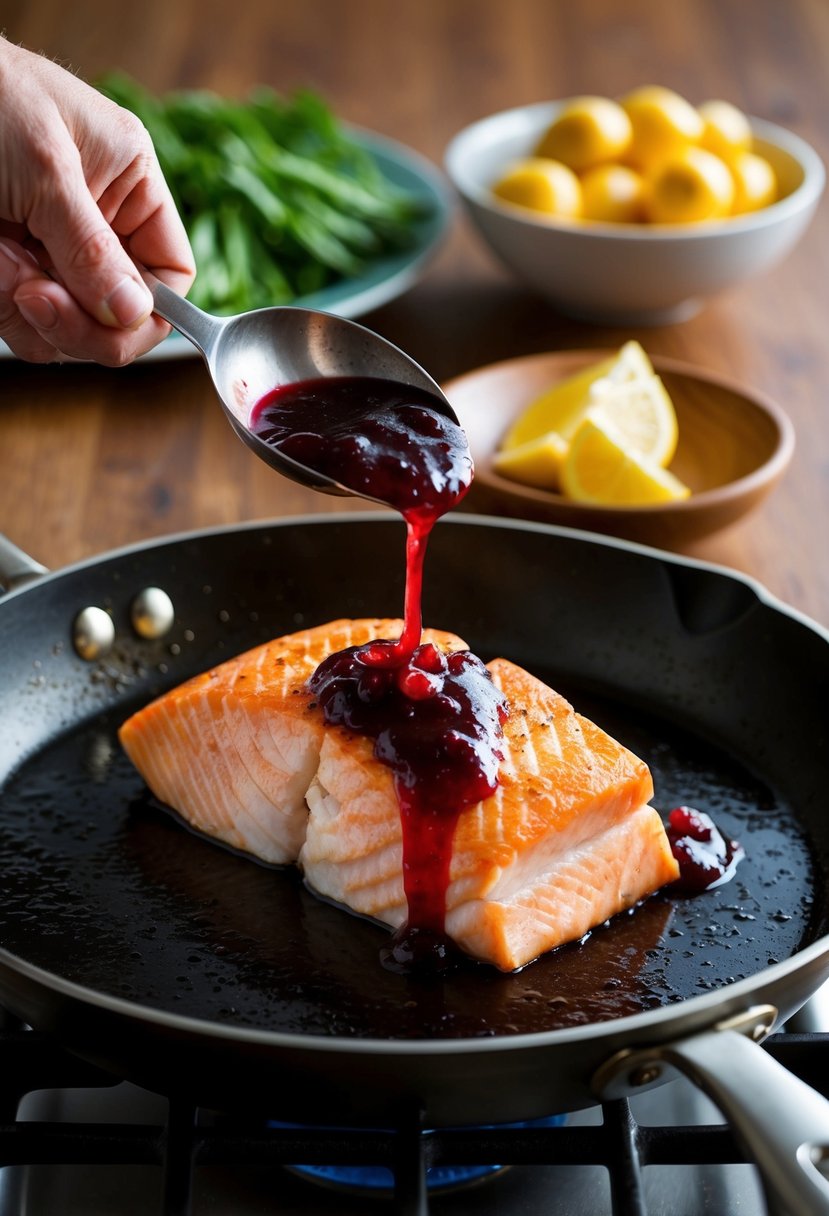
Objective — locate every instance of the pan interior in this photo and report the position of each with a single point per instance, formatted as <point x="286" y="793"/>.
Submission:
<point x="103" y="888"/>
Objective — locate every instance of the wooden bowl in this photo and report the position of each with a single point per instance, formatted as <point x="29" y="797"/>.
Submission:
<point x="734" y="446"/>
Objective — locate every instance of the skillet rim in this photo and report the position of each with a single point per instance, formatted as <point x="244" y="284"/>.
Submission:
<point x="693" y="1009"/>
<point x="463" y="518"/>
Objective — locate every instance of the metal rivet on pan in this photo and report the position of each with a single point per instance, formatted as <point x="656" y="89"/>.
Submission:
<point x="152" y="613"/>
<point x="93" y="633"/>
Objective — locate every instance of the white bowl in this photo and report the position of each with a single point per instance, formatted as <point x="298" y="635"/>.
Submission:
<point x="628" y="273"/>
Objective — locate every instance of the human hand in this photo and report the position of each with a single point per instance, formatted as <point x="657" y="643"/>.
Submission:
<point x="82" y="199"/>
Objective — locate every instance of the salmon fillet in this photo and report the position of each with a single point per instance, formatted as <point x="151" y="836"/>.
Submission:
<point x="566" y="841"/>
<point x="234" y="750"/>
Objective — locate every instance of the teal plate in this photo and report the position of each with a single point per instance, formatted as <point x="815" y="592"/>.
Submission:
<point x="387" y="277"/>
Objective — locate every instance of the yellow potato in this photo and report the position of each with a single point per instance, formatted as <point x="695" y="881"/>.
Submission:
<point x="613" y="194"/>
<point x="755" y="183"/>
<point x="690" y="186"/>
<point x="588" y="131"/>
<point x="663" y="124"/>
<point x="541" y="185"/>
<point x="726" y="132"/>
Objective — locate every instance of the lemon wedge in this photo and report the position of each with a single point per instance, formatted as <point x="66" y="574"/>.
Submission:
<point x="564" y="405"/>
<point x="644" y="415"/>
<point x="535" y="463"/>
<point x="601" y="469"/>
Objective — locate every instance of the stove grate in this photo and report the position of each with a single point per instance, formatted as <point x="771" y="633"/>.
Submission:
<point x="193" y="1139"/>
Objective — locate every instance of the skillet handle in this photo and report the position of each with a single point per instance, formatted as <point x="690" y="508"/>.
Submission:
<point x="16" y="567"/>
<point x="782" y="1123"/>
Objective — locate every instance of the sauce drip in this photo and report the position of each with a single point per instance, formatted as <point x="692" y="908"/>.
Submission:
<point x="705" y="857"/>
<point x="436" y="719"/>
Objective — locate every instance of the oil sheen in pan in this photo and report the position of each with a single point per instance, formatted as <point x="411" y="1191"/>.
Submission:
<point x="107" y="891"/>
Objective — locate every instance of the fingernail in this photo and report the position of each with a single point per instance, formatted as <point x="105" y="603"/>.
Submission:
<point x="38" y="311"/>
<point x="9" y="270"/>
<point x="128" y="304"/>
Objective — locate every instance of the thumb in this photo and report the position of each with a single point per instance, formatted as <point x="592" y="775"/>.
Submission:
<point x="87" y="256"/>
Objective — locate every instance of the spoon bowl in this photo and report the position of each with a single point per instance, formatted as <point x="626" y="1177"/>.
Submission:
<point x="251" y="354"/>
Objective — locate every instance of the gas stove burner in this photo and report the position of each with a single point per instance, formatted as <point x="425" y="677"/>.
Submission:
<point x="377" y="1181"/>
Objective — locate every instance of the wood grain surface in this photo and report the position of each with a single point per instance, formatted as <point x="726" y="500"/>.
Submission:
<point x="93" y="458"/>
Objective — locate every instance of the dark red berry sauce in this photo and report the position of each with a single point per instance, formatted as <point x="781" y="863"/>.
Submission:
<point x="436" y="719"/>
<point x="378" y="438"/>
<point x="705" y="857"/>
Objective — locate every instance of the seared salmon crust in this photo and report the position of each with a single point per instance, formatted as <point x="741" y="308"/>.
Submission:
<point x="566" y="841"/>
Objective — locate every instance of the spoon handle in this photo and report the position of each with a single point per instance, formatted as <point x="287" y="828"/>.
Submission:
<point x="199" y="327"/>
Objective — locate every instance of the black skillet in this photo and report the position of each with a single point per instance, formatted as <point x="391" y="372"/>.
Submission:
<point x="185" y="967"/>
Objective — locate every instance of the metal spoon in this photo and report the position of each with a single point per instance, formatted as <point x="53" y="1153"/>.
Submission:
<point x="250" y="354"/>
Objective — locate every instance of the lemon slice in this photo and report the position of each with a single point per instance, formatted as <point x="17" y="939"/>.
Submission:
<point x="601" y="469"/>
<point x="535" y="463"/>
<point x="563" y="406"/>
<point x="644" y="415"/>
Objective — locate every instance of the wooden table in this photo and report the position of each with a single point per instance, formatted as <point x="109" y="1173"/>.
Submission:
<point x="93" y="458"/>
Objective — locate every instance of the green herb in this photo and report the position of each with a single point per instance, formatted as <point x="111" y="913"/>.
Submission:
<point x="277" y="198"/>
